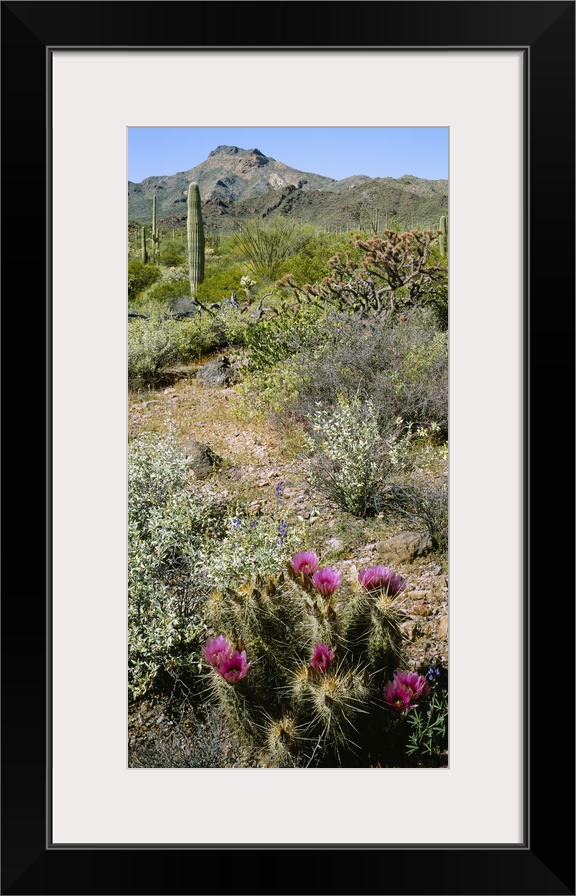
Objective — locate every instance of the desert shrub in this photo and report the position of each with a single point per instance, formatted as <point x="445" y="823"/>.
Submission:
<point x="315" y="357"/>
<point x="221" y="279"/>
<point x="350" y="460"/>
<point x="272" y="341"/>
<point x="205" y="333"/>
<point x="424" y="505"/>
<point x="170" y="518"/>
<point x="141" y="276"/>
<point x="167" y="291"/>
<point x="152" y="346"/>
<point x="172" y="252"/>
<point x="252" y="546"/>
<point x="201" y="739"/>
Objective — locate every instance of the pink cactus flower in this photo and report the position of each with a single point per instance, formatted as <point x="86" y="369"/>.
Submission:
<point x="416" y="683"/>
<point x="305" y="562"/>
<point x="326" y="580"/>
<point x="398" y="696"/>
<point x="322" y="658"/>
<point x="234" y="667"/>
<point x="381" y="578"/>
<point x="216" y="650"/>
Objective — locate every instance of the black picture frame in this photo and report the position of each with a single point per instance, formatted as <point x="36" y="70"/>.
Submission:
<point x="544" y="863"/>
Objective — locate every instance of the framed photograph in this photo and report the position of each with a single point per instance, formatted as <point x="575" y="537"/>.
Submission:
<point x="498" y="817"/>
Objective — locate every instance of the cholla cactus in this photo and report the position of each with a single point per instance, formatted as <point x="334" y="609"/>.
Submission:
<point x="311" y="656"/>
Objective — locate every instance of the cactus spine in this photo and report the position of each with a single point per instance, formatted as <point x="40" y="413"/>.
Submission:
<point x="195" y="238"/>
<point x="443" y="235"/>
<point x="144" y="250"/>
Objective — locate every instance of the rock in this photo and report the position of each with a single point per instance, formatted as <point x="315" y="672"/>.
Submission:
<point x="405" y="547"/>
<point x="201" y="459"/>
<point x="442" y="630"/>
<point x="220" y="372"/>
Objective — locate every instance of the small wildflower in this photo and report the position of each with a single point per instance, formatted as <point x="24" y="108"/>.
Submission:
<point x="322" y="658"/>
<point x="432" y="673"/>
<point x="326" y="580"/>
<point x="236" y="523"/>
<point x="279" y="490"/>
<point x="253" y="525"/>
<point x="282" y="530"/>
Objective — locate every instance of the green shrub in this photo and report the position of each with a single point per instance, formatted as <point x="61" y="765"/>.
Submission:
<point x="152" y="346"/>
<point x="424" y="505"/>
<point x="351" y="461"/>
<point x="170" y="517"/>
<point x="141" y="276"/>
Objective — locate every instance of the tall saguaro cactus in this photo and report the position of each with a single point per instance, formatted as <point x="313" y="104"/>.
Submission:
<point x="144" y="250"/>
<point x="443" y="235"/>
<point x="155" y="234"/>
<point x="195" y="238"/>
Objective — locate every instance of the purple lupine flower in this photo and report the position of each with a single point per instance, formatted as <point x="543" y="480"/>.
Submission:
<point x="282" y="529"/>
<point x="397" y="695"/>
<point x="326" y="580"/>
<point x="304" y="562"/>
<point x="234" y="667"/>
<point x="322" y="658"/>
<point x="216" y="649"/>
<point x="381" y="578"/>
<point x="279" y="490"/>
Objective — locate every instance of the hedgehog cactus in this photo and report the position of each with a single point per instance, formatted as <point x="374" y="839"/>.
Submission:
<point x="195" y="238"/>
<point x="316" y="655"/>
<point x="443" y="235"/>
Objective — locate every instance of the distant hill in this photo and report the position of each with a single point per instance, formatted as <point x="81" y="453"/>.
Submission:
<point x="244" y="183"/>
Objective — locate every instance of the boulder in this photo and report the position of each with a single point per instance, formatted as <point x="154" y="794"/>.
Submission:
<point x="405" y="547"/>
<point x="220" y="372"/>
<point x="201" y="459"/>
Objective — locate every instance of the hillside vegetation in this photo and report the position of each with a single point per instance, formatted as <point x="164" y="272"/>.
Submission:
<point x="288" y="492"/>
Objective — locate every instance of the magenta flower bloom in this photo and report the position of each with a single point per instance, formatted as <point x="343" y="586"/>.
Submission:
<point x="216" y="649"/>
<point x="414" y="682"/>
<point x="234" y="667"/>
<point x="381" y="578"/>
<point x="305" y="562"/>
<point x="398" y="696"/>
<point x="326" y="580"/>
<point x="322" y="658"/>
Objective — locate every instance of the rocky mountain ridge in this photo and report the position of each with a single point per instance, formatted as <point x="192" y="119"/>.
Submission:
<point x="245" y="183"/>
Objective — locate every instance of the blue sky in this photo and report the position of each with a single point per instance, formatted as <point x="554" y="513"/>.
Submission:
<point x="332" y="152"/>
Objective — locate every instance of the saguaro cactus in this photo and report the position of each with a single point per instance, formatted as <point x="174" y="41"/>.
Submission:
<point x="155" y="234"/>
<point x="443" y="235"/>
<point x="195" y="238"/>
<point x="144" y="250"/>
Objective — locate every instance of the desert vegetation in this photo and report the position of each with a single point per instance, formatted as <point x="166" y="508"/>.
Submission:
<point x="287" y="598"/>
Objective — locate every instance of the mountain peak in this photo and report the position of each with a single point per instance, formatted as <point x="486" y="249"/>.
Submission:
<point x="224" y="150"/>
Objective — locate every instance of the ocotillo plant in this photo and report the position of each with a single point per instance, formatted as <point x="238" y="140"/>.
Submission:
<point x="302" y="662"/>
<point x="443" y="235"/>
<point x="195" y="238"/>
<point x="144" y="249"/>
